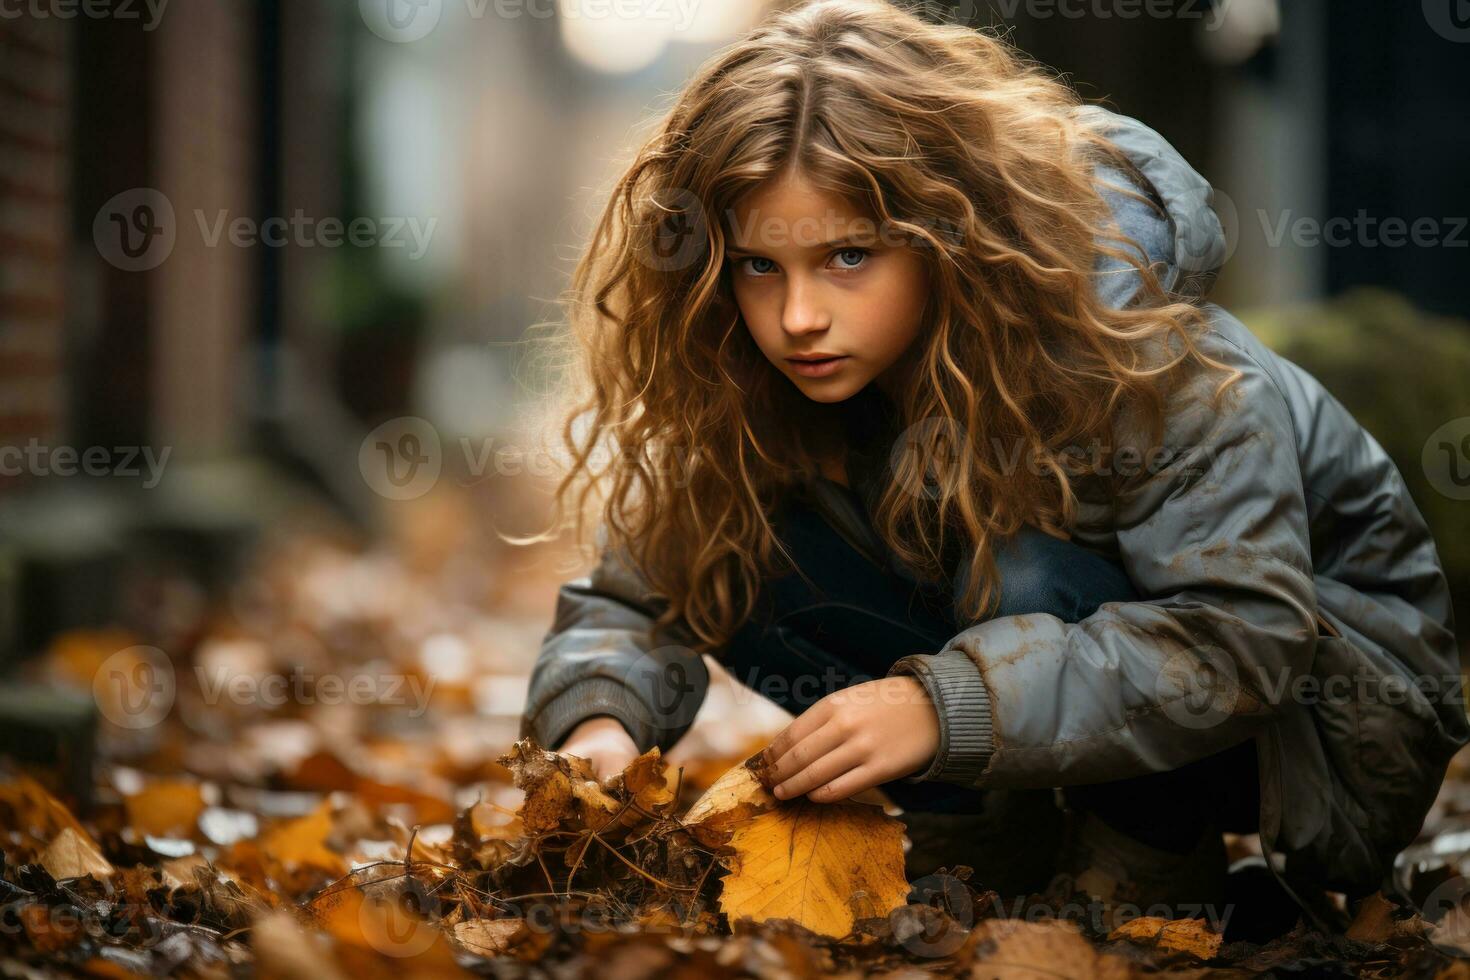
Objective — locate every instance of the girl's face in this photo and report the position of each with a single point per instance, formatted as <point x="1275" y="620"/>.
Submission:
<point x="814" y="276"/>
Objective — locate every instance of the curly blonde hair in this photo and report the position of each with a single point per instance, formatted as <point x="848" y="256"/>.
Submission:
<point x="950" y="136"/>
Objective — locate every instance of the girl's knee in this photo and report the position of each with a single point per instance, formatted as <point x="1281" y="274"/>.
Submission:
<point x="1043" y="574"/>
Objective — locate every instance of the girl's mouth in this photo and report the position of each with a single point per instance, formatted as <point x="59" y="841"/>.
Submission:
<point x="817" y="369"/>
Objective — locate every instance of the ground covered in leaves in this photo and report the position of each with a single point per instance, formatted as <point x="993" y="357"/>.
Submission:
<point x="252" y="815"/>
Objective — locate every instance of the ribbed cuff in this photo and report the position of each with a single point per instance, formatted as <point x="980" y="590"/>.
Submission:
<point x="587" y="697"/>
<point x="966" y="734"/>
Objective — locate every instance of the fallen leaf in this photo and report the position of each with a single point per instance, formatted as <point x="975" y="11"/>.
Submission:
<point x="500" y="937"/>
<point x="1015" y="949"/>
<point x="72" y="854"/>
<point x="1192" y="936"/>
<point x="302" y="842"/>
<point x="166" y="808"/>
<point x="822" y="865"/>
<point x="735" y="798"/>
<point x="388" y="927"/>
<point x="561" y="790"/>
<point x="646" y="780"/>
<point x="286" y="951"/>
<point x="36" y="810"/>
<point x="1374" y="921"/>
<point x="48" y="933"/>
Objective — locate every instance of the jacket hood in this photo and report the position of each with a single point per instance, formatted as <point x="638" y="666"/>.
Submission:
<point x="1186" y="244"/>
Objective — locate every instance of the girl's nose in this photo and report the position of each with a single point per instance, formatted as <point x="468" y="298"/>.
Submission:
<point x="804" y="311"/>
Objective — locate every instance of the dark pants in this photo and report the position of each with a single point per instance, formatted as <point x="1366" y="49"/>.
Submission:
<point x="853" y="620"/>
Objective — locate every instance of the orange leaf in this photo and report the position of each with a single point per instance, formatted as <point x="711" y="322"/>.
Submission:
<point x="823" y="865"/>
<point x="166" y="808"/>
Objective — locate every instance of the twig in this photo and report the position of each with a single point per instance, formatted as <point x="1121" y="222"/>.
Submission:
<point x="619" y="856"/>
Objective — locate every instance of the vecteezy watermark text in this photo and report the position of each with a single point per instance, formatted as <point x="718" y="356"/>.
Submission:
<point x="302" y="687"/>
<point x="37" y="459"/>
<point x="138" y="230"/>
<point x="406" y="21"/>
<point x="90" y="9"/>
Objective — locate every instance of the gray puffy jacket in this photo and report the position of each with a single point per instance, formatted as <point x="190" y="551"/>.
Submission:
<point x="1293" y="595"/>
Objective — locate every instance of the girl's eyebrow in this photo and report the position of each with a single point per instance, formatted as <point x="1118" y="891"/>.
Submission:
<point x="849" y="240"/>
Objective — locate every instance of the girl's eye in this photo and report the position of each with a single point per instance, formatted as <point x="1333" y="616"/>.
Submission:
<point x="848" y="260"/>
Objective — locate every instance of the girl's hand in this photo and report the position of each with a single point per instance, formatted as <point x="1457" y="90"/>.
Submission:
<point x="603" y="741"/>
<point x="854" y="739"/>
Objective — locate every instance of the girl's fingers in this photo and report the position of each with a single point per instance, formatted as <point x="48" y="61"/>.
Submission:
<point x="803" y="725"/>
<point x="805" y="751"/>
<point x="826" y="769"/>
<point x="850" y="783"/>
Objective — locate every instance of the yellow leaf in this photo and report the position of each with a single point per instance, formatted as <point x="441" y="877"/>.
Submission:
<point x="302" y="842"/>
<point x="735" y="798"/>
<point x="74" y="854"/>
<point x="1192" y="936"/>
<point x="166" y="808"/>
<point x="823" y="865"/>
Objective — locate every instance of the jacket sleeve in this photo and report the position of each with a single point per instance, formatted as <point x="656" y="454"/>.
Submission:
<point x="1214" y="536"/>
<point x="599" y="658"/>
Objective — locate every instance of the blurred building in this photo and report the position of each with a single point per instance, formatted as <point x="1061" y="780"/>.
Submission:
<point x="131" y="317"/>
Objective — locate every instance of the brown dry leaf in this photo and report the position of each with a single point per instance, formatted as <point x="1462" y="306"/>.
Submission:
<point x="286" y="951"/>
<point x="823" y="865"/>
<point x="1374" y="921"/>
<point x="491" y="822"/>
<point x="561" y="790"/>
<point x="36" y="809"/>
<point x="73" y="854"/>
<point x="46" y="932"/>
<point x="166" y="808"/>
<point x="427" y="808"/>
<point x="1192" y="936"/>
<point x="735" y="798"/>
<point x="379" y="931"/>
<point x="178" y="872"/>
<point x="646" y="780"/>
<point x="500" y="937"/>
<point x="1014" y="949"/>
<point x="325" y="772"/>
<point x="302" y="842"/>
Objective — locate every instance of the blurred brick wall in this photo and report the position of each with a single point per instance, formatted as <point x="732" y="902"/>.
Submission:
<point x="33" y="229"/>
<point x="204" y="154"/>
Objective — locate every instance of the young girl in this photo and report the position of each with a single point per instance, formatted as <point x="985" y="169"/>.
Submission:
<point x="922" y="428"/>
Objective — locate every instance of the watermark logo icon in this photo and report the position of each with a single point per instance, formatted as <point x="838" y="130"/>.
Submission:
<point x="401" y="921"/>
<point x="134" y="688"/>
<point x="1445" y="909"/>
<point x="1446" y="458"/>
<point x="401" y="21"/>
<point x="135" y="231"/>
<point x="679" y="234"/>
<point x="1450" y="19"/>
<point x="402" y="458"/>
<point x="1198" y="687"/>
<point x="943" y="929"/>
<point x="671" y="675"/>
<point x="925" y="457"/>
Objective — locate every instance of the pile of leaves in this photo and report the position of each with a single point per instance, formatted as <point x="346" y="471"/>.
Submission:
<point x="609" y="878"/>
<point x="323" y="837"/>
